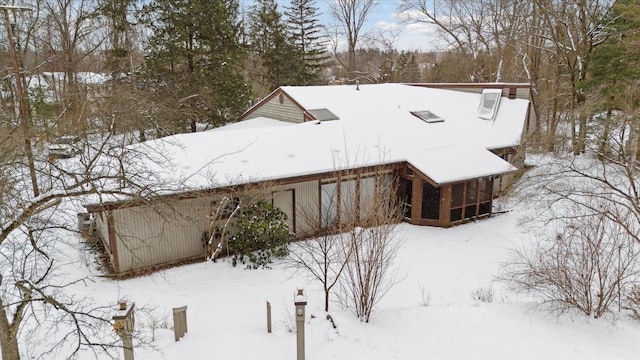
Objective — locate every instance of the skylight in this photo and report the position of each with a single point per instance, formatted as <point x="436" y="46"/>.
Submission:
<point x="323" y="114"/>
<point x="489" y="103"/>
<point x="427" y="116"/>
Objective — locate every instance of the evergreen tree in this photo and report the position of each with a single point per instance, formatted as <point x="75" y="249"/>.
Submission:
<point x="270" y="47"/>
<point x="614" y="72"/>
<point x="615" y="62"/>
<point x="304" y="30"/>
<point x="194" y="59"/>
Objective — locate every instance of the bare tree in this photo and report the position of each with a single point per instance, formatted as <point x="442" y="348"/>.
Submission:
<point x="323" y="256"/>
<point x="70" y="32"/>
<point x="373" y="245"/>
<point x="35" y="289"/>
<point x="587" y="264"/>
<point x="350" y="16"/>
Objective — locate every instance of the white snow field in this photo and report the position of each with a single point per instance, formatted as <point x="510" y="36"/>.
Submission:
<point x="429" y="314"/>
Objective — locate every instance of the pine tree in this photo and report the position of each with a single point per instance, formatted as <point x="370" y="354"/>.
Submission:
<point x="304" y="29"/>
<point x="614" y="72"/>
<point x="274" y="57"/>
<point x="194" y="59"/>
<point x="615" y="62"/>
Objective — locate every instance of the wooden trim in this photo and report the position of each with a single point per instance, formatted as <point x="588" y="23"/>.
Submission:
<point x="113" y="244"/>
<point x="512" y="92"/>
<point x="445" y="207"/>
<point x="473" y="85"/>
<point x="416" y="196"/>
<point x="422" y="175"/>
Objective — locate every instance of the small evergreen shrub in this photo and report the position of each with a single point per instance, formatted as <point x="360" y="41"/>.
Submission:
<point x="633" y="301"/>
<point x="261" y="234"/>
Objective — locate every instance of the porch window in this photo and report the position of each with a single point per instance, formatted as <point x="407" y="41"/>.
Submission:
<point x="430" y="201"/>
<point x="405" y="195"/>
<point x="471" y="199"/>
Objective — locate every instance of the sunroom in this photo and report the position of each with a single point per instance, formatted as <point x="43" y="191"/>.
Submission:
<point x="443" y="194"/>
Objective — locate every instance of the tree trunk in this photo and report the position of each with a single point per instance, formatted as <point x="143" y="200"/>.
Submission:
<point x="326" y="300"/>
<point x="9" y="344"/>
<point x="8" y="336"/>
<point x="604" y="137"/>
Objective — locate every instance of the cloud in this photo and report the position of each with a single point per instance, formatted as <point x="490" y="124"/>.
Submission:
<point x="409" y="16"/>
<point x="421" y="29"/>
<point x="387" y="26"/>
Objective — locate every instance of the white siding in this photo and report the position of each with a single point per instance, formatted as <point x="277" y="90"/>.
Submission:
<point x="160" y="234"/>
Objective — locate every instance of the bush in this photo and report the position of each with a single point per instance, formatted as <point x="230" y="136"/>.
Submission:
<point x="484" y="294"/>
<point x="261" y="233"/>
<point x="633" y="301"/>
<point x="585" y="266"/>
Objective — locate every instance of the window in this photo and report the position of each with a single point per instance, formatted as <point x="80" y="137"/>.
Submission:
<point x="457" y="195"/>
<point x="427" y="116"/>
<point x="484" y="189"/>
<point x="430" y="202"/>
<point x="405" y="194"/>
<point x="329" y="204"/>
<point x="367" y="188"/>
<point x="348" y="201"/>
<point x="489" y="103"/>
<point x="471" y="199"/>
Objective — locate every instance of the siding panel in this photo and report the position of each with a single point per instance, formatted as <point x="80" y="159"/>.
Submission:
<point x="287" y="111"/>
<point x="160" y="234"/>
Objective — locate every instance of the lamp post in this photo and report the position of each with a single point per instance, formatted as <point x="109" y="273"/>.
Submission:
<point x="124" y="322"/>
<point x="23" y="105"/>
<point x="300" y="302"/>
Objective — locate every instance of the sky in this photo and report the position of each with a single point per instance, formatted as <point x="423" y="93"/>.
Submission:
<point x="384" y="18"/>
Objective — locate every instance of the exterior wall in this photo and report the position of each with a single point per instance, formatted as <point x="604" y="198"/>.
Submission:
<point x="522" y="91"/>
<point x="163" y="233"/>
<point x="306" y="206"/>
<point x="102" y="228"/>
<point x="170" y="232"/>
<point x="286" y="110"/>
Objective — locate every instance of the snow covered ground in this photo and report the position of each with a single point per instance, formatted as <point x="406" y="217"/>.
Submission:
<point x="430" y="314"/>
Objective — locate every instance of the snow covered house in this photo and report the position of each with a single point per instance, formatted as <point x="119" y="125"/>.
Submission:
<point x="448" y="149"/>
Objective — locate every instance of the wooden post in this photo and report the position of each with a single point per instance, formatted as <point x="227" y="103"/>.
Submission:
<point x="123" y="325"/>
<point x="268" y="317"/>
<point x="179" y="322"/>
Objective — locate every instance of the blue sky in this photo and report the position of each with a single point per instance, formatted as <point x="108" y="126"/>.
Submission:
<point x="384" y="18"/>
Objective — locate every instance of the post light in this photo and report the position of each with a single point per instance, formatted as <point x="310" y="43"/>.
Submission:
<point x="124" y="322"/>
<point x="300" y="300"/>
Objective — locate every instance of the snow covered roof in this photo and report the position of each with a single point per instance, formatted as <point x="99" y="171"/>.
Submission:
<point x="374" y="126"/>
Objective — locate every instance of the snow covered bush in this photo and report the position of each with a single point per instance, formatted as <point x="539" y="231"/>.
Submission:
<point x="261" y="233"/>
<point x="484" y="294"/>
<point x="586" y="265"/>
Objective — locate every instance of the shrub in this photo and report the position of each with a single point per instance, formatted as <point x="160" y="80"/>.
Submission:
<point x="261" y="233"/>
<point x="484" y="294"/>
<point x="584" y="266"/>
<point x="633" y="301"/>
